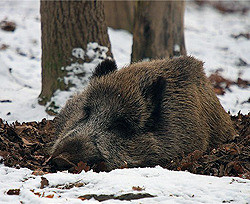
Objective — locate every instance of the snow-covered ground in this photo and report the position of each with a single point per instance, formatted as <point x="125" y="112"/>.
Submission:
<point x="208" y="37"/>
<point x="166" y="186"/>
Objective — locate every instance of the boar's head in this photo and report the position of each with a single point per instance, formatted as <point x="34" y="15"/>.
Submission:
<point x="111" y="120"/>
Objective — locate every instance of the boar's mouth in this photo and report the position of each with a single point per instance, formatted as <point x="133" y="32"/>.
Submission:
<point x="62" y="162"/>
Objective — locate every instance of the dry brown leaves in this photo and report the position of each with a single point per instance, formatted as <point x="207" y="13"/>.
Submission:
<point x="138" y="188"/>
<point x="220" y="83"/>
<point x="97" y="167"/>
<point x="26" y="144"/>
<point x="13" y="192"/>
<point x="226" y="6"/>
<point x="69" y="185"/>
<point x="231" y="159"/>
<point x="7" y="25"/>
<point x="4" y="47"/>
<point x="39" y="172"/>
<point x="44" y="182"/>
<point x="78" y="169"/>
<point x="42" y="195"/>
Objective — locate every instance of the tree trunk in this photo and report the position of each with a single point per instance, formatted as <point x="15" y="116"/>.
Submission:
<point x="119" y="14"/>
<point x="67" y="25"/>
<point x="158" y="30"/>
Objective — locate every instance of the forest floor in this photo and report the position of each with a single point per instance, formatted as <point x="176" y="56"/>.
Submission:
<point x="26" y="145"/>
<point x="27" y="176"/>
<point x="218" y="34"/>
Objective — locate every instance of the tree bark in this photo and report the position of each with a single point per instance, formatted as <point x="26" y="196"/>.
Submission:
<point x="158" y="30"/>
<point x="120" y="14"/>
<point x="66" y="25"/>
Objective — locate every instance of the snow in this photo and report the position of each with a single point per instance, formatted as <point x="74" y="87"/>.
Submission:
<point x="207" y="34"/>
<point x="75" y="71"/>
<point x="121" y="46"/>
<point x="20" y="64"/>
<point x="236" y="99"/>
<point x="166" y="186"/>
<point x="78" y="53"/>
<point x="208" y="37"/>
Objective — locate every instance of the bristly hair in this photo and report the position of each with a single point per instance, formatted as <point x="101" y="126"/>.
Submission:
<point x="155" y="92"/>
<point x="105" y="67"/>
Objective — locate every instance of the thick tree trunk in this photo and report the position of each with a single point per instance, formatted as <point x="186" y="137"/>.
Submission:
<point x="158" y="30"/>
<point x="119" y="14"/>
<point x="67" y="25"/>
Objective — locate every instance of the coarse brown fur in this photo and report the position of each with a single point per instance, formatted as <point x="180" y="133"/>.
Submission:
<point x="142" y="115"/>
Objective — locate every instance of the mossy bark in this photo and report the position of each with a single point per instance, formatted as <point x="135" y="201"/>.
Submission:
<point x="66" y="25"/>
<point x="158" y="30"/>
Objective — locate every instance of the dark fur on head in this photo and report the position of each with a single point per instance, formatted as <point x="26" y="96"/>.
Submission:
<point x="105" y="67"/>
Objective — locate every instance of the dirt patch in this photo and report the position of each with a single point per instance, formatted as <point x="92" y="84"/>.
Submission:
<point x="27" y="144"/>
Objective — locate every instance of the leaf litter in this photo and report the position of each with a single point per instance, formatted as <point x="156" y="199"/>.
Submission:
<point x="27" y="144"/>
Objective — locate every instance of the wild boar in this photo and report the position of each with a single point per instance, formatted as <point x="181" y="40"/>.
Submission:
<point x="142" y="115"/>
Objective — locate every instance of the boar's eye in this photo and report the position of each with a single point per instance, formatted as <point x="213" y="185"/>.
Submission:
<point x="121" y="126"/>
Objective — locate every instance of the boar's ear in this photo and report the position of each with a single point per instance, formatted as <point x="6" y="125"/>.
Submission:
<point x="105" y="67"/>
<point x="154" y="93"/>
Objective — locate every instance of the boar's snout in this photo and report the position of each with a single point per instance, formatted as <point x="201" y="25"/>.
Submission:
<point x="68" y="151"/>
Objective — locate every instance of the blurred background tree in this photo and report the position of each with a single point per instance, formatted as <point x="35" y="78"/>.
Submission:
<point x="158" y="30"/>
<point x="119" y="14"/>
<point x="157" y="26"/>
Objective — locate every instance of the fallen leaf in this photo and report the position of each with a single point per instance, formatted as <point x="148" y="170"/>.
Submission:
<point x="8" y="26"/>
<point x="138" y="188"/>
<point x="80" y="166"/>
<point x="50" y="196"/>
<point x="79" y="184"/>
<point x="242" y="83"/>
<point x="26" y="142"/>
<point x="38" y="172"/>
<point x="82" y="198"/>
<point x="4" y="47"/>
<point x="13" y="192"/>
<point x="44" y="182"/>
<point x="38" y="194"/>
